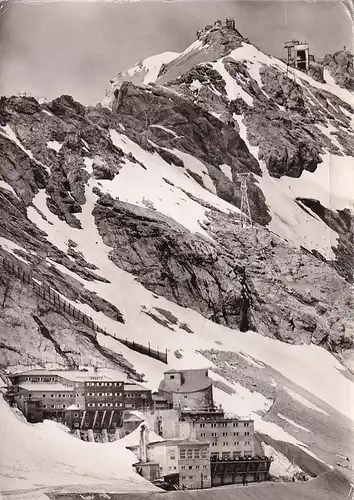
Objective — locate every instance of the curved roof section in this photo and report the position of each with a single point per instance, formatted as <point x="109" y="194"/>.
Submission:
<point x="192" y="381"/>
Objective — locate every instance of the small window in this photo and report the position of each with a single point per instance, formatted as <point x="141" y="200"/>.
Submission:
<point x="191" y="477"/>
<point x="172" y="376"/>
<point x="205" y="466"/>
<point x="202" y="434"/>
<point x="182" y="454"/>
<point x="44" y="406"/>
<point x="190" y="467"/>
<point x="43" y="395"/>
<point x="183" y="467"/>
<point x="224" y="433"/>
<point x="197" y="466"/>
<point x="189" y="453"/>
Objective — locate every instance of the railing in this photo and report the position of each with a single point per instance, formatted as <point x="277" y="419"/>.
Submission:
<point x="48" y="294"/>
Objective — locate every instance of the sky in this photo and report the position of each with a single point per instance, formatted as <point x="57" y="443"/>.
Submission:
<point x="50" y="49"/>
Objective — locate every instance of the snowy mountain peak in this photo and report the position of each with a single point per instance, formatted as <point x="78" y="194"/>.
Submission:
<point x="132" y="214"/>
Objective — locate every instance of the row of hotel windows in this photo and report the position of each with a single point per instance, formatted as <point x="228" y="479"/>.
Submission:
<point x="126" y="405"/>
<point x="184" y="453"/>
<point x="224" y="424"/>
<point x="105" y="405"/>
<point x="127" y="395"/>
<point x="54" y="406"/>
<point x="235" y="454"/>
<point x="192" y="477"/>
<point x="190" y="467"/>
<point x="106" y="384"/>
<point x="226" y="443"/>
<point x="95" y="394"/>
<point x="41" y="379"/>
<point x="69" y="395"/>
<point x="215" y="434"/>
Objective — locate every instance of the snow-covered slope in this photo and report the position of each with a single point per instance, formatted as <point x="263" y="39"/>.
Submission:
<point x="133" y="217"/>
<point x="45" y="456"/>
<point x="141" y="73"/>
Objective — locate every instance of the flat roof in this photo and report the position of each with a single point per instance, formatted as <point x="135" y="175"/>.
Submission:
<point x="40" y="387"/>
<point x="135" y="387"/>
<point x="76" y="375"/>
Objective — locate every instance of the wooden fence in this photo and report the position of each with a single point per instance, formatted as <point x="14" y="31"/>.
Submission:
<point x="48" y="294"/>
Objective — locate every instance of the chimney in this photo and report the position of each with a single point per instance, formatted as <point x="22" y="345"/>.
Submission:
<point x="143" y="443"/>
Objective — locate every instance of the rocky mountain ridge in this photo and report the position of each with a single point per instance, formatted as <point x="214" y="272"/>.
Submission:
<point x="131" y="211"/>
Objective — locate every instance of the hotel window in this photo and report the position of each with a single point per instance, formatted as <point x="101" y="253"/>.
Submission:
<point x="204" y="453"/>
<point x="189" y="454"/>
<point x="214" y="443"/>
<point x="191" y="477"/>
<point x="201" y="425"/>
<point x="247" y="433"/>
<point x="52" y="406"/>
<point x="213" y="425"/>
<point x="246" y="424"/>
<point x="196" y="454"/>
<point x="76" y="414"/>
<point x="224" y="433"/>
<point x="202" y="434"/>
<point x="43" y="395"/>
<point x="44" y="406"/>
<point x="205" y="466"/>
<point x="205" y="476"/>
<point x="182" y="454"/>
<point x="236" y="433"/>
<point x="236" y="443"/>
<point x="235" y="424"/>
<point x="183" y="467"/>
<point x="225" y="443"/>
<point x="197" y="466"/>
<point x="190" y="467"/>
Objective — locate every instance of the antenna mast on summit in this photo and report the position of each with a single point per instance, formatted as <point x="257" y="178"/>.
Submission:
<point x="245" y="216"/>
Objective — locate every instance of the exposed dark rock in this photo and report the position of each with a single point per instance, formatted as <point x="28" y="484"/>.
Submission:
<point x="341" y="67"/>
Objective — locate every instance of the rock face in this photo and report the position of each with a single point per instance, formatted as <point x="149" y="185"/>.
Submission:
<point x="247" y="280"/>
<point x="219" y="109"/>
<point x="340" y="65"/>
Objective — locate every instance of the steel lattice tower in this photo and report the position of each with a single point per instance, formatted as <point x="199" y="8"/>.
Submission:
<point x="245" y="216"/>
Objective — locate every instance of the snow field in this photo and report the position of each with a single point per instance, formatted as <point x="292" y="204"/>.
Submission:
<point x="45" y="455"/>
<point x="289" y="221"/>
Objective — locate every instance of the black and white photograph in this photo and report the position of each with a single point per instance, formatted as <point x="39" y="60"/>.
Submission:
<point x="176" y="250"/>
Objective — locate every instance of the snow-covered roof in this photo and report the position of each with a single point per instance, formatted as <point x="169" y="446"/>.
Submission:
<point x="76" y="375"/>
<point x="73" y="407"/>
<point x="40" y="387"/>
<point x="134" y="387"/>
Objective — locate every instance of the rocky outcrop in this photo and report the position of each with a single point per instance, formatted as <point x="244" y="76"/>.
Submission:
<point x="341" y="221"/>
<point x="195" y="132"/>
<point x="248" y="280"/>
<point x="341" y="68"/>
